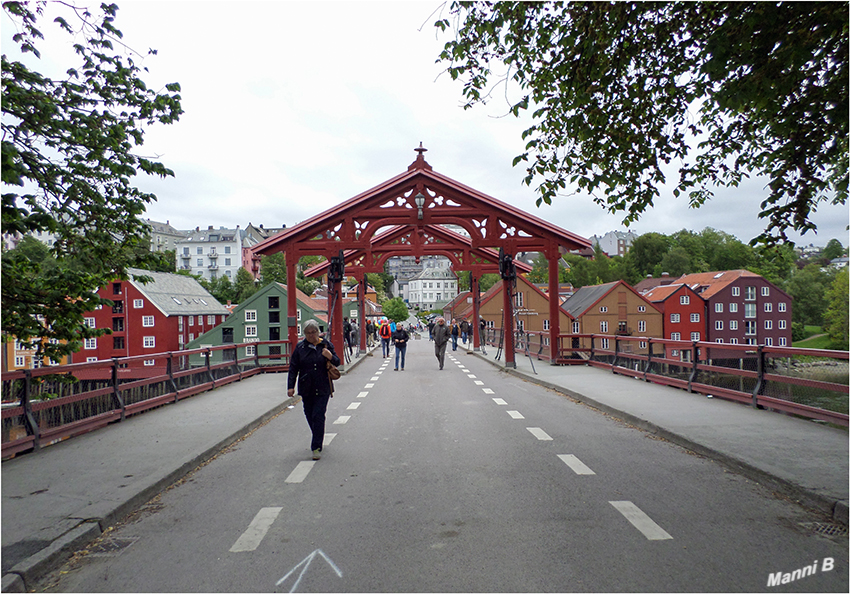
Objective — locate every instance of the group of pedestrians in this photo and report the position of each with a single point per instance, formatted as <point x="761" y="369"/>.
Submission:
<point x="308" y="365"/>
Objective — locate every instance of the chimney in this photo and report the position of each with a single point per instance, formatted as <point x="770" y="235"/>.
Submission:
<point x="665" y="274"/>
<point x="210" y="228"/>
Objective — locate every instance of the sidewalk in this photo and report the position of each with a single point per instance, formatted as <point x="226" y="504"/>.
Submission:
<point x="804" y="460"/>
<point x="57" y="500"/>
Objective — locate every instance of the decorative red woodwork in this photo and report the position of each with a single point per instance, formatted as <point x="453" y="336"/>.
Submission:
<point x="385" y="221"/>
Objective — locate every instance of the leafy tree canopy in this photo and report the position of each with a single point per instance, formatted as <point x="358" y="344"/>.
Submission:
<point x="836" y="315"/>
<point x="69" y="153"/>
<point x="396" y="310"/>
<point x="621" y="91"/>
<point x="833" y="250"/>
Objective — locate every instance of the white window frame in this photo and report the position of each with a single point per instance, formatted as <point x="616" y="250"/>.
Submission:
<point x="765" y="291"/>
<point x="684" y="299"/>
<point x="138" y="303"/>
<point x="603" y="326"/>
<point x="718" y="307"/>
<point x="768" y="307"/>
<point x="149" y="362"/>
<point x="782" y="341"/>
<point x="733" y="324"/>
<point x="211" y="320"/>
<point x="781" y="306"/>
<point x="749" y="310"/>
<point x="641" y="325"/>
<point x="89" y="322"/>
<point x="20" y="361"/>
<point x="603" y="309"/>
<point x="750" y="293"/>
<point x="768" y="324"/>
<point x="546" y="325"/>
<point x="675" y="336"/>
<point x="736" y="291"/>
<point x="695" y="336"/>
<point x="733" y="308"/>
<point x="149" y="342"/>
<point x="641" y="308"/>
<point x="718" y="325"/>
<point x="250" y="350"/>
<point x="695" y="318"/>
<point x="576" y="327"/>
<point x="90" y="344"/>
<point x="675" y="318"/>
<point x="147" y="321"/>
<point x="250" y="330"/>
<point x="191" y="320"/>
<point x="782" y="324"/>
<point x="250" y="315"/>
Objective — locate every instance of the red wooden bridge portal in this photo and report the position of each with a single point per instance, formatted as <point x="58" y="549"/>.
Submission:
<point x="404" y="216"/>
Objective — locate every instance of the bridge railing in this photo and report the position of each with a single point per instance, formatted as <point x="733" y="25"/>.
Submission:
<point x="49" y="404"/>
<point x="810" y="383"/>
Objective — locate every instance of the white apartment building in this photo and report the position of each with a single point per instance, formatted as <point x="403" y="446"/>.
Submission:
<point x="212" y="253"/>
<point x="432" y="288"/>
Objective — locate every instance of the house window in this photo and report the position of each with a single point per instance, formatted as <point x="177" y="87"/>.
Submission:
<point x="117" y="342"/>
<point x="520" y="299"/>
<point x="603" y="327"/>
<point x="718" y="325"/>
<point x="200" y="251"/>
<point x="545" y="325"/>
<point x="736" y="291"/>
<point x="180" y="323"/>
<point x="575" y="327"/>
<point x="642" y="344"/>
<point x="685" y="299"/>
<point x="118" y="307"/>
<point x="768" y="307"/>
<point x="674" y="318"/>
<point x="89" y="322"/>
<point x="603" y="309"/>
<point x="641" y="325"/>
<point x="606" y="344"/>
<point x="694" y="335"/>
<point x="116" y="288"/>
<point x="211" y="320"/>
<point x="733" y="325"/>
<point x="298" y="315"/>
<point x="299" y="330"/>
<point x="274" y="302"/>
<point x="733" y="341"/>
<point x="782" y="324"/>
<point x="250" y="331"/>
<point x="20" y="361"/>
<point x="191" y="320"/>
<point x="749" y="328"/>
<point x="765" y="291"/>
<point x="695" y="317"/>
<point x="149" y="342"/>
<point x="90" y="344"/>
<point x="641" y="308"/>
<point x="675" y="336"/>
<point x="227" y="261"/>
<point x="768" y="324"/>
<point x="718" y="307"/>
<point x="733" y="308"/>
<point x="749" y="310"/>
<point x="147" y="321"/>
<point x="150" y="362"/>
<point x="138" y="303"/>
<point x="250" y="351"/>
<point x="750" y="293"/>
<point x="719" y="340"/>
<point x="782" y="341"/>
<point x="227" y="249"/>
<point x="781" y="306"/>
<point x="199" y="262"/>
<point x="250" y="315"/>
<point x="353" y="314"/>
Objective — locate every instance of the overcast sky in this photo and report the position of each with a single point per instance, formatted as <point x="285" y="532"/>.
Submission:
<point x="291" y="108"/>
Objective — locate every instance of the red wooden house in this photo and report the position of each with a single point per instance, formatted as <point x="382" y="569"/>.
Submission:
<point x="157" y="317"/>
<point x="684" y="316"/>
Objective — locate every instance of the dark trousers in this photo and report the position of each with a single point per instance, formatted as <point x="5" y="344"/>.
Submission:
<point x="314" y="410"/>
<point x="440" y="352"/>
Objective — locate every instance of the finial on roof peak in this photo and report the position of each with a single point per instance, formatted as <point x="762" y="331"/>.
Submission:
<point x="420" y="162"/>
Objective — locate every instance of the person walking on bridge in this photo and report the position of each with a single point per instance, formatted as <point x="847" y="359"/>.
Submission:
<point x="442" y="333"/>
<point x="400" y="338"/>
<point x="385" y="334"/>
<point x="309" y="366"/>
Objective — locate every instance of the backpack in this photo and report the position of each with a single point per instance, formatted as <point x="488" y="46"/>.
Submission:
<point x="385" y="331"/>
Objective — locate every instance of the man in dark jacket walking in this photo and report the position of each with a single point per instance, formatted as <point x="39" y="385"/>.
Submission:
<point x="442" y="333"/>
<point x="309" y="366"/>
<point x="400" y="338"/>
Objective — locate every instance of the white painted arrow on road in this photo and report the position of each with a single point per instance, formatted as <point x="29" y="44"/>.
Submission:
<point x="306" y="564"/>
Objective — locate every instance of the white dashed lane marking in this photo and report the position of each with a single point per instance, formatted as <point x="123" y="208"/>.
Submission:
<point x="354" y="405"/>
<point x="577" y="465"/>
<point x="470" y="376"/>
<point x="342" y="420"/>
<point x="374" y="379"/>
<point x="515" y="414"/>
<point x="488" y="391"/>
<point x="640" y="520"/>
<point x="329" y="437"/>
<point x="479" y="383"/>
<point x="499" y="401"/>
<point x="253" y="536"/>
<point x="363" y="394"/>
<point x="369" y="386"/>
<point x="300" y="473"/>
<point x="539" y="433"/>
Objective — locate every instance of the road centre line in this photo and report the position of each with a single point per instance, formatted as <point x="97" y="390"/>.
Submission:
<point x="470" y="376"/>
<point x="369" y="386"/>
<point x="374" y="379"/>
<point x="256" y="531"/>
<point x="300" y="473"/>
<point x="487" y="391"/>
<point x="342" y="420"/>
<point x="539" y="433"/>
<point x="329" y="437"/>
<point x="500" y="402"/>
<point x="479" y="383"/>
<point x="577" y="465"/>
<point x="363" y="394"/>
<point x="354" y="405"/>
<point x="515" y="414"/>
<point x="640" y="520"/>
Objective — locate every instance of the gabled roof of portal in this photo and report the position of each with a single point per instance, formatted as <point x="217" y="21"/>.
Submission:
<point x="490" y="222"/>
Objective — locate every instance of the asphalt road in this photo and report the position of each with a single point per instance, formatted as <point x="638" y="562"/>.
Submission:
<point x="466" y="479"/>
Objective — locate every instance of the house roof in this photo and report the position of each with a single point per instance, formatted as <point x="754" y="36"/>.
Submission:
<point x="176" y="294"/>
<point x="650" y="283"/>
<point x="662" y="292"/>
<point x="584" y="298"/>
<point x="707" y="284"/>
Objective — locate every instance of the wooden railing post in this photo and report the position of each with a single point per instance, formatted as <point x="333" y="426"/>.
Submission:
<point x="760" y="383"/>
<point x="31" y="424"/>
<point x="694" y="370"/>
<point x="116" y="390"/>
<point x="169" y="367"/>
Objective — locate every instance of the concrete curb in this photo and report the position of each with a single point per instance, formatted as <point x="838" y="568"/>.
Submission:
<point x="39" y="564"/>
<point x="837" y="509"/>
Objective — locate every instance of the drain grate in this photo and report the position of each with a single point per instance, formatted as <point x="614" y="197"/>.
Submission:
<point x="112" y="547"/>
<point x="827" y="529"/>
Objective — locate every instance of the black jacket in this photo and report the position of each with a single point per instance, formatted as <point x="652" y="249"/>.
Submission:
<point x="401" y="336"/>
<point x="309" y="367"/>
